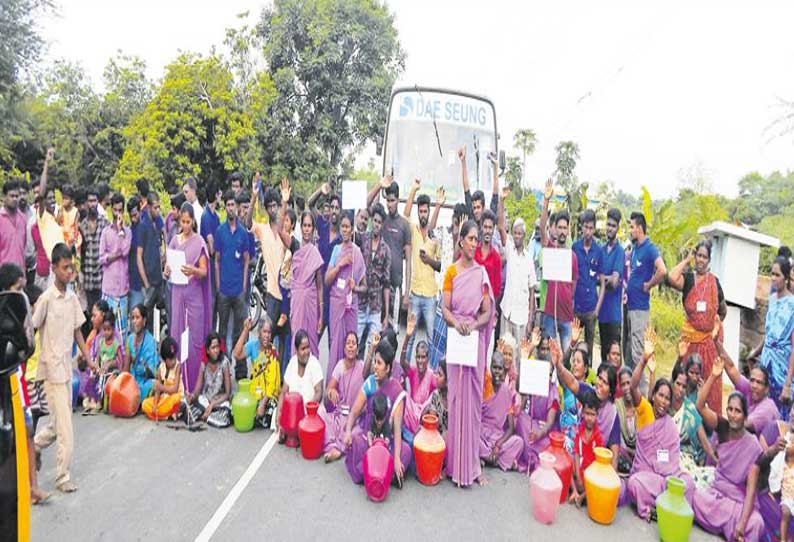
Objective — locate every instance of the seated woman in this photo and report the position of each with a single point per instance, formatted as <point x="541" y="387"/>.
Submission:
<point x="303" y="374"/>
<point x="419" y="381"/>
<point x="209" y="401"/>
<point x="606" y="382"/>
<point x="499" y="446"/>
<point x="613" y="355"/>
<point x="438" y="399"/>
<point x="775" y="439"/>
<point x="141" y="357"/>
<point x="168" y="387"/>
<point x="379" y="382"/>
<point x="658" y="449"/>
<point x="343" y="386"/>
<point x="508" y="346"/>
<point x="760" y="407"/>
<point x="695" y="445"/>
<point x="627" y="415"/>
<point x="728" y="506"/>
<point x="537" y="414"/>
<point x="265" y="368"/>
<point x="579" y="363"/>
<point x="91" y="385"/>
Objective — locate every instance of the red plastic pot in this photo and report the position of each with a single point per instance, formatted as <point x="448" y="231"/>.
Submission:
<point x="311" y="432"/>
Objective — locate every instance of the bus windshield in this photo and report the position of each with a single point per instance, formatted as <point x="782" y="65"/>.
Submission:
<point x="425" y="130"/>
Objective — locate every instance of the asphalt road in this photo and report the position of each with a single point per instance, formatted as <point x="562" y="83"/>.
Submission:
<point x="144" y="481"/>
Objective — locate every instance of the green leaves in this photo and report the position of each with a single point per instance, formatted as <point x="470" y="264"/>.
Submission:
<point x="334" y="63"/>
<point x="193" y="126"/>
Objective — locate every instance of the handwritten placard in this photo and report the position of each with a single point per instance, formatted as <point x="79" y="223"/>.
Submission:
<point x="354" y="195"/>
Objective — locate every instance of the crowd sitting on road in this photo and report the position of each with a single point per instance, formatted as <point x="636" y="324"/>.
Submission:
<point x="95" y="280"/>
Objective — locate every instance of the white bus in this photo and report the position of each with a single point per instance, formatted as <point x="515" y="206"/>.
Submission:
<point x="426" y="127"/>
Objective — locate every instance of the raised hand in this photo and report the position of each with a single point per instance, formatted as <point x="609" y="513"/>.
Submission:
<point x="683" y="348"/>
<point x="325" y="189"/>
<point x="247" y="325"/>
<point x="417" y="183"/>
<point x="441" y="195"/>
<point x="410" y="327"/>
<point x="257" y="178"/>
<point x="50" y="154"/>
<point x="651" y="364"/>
<point x="386" y="181"/>
<point x="649" y="345"/>
<point x="556" y="353"/>
<point x="462" y="153"/>
<point x="505" y="192"/>
<point x="717" y="367"/>
<point x="374" y="340"/>
<point x="286" y="190"/>
<point x="536" y="337"/>
<point x="576" y="331"/>
<point x="548" y="192"/>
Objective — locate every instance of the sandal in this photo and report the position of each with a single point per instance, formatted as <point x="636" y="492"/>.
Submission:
<point x="67" y="487"/>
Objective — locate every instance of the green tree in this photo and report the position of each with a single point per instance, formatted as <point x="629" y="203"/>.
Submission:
<point x="513" y="175"/>
<point x="333" y="63"/>
<point x="192" y="126"/>
<point x="780" y="226"/>
<point x="525" y="140"/>
<point x="20" y="47"/>
<point x="525" y="207"/>
<point x="567" y="156"/>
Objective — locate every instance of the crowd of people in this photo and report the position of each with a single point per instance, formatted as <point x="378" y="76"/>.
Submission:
<point x="95" y="277"/>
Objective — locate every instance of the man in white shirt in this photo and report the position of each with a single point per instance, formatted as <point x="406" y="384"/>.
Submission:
<point x="189" y="189"/>
<point x="518" y="301"/>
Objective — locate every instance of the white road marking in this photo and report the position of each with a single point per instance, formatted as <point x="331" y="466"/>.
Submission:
<point x="220" y="514"/>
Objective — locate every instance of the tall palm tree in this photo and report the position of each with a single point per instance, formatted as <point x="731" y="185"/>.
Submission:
<point x="525" y="140"/>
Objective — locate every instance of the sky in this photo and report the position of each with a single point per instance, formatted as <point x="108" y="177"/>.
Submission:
<point x="647" y="92"/>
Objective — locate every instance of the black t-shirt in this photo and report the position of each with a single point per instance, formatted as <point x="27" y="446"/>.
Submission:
<point x="689" y="283"/>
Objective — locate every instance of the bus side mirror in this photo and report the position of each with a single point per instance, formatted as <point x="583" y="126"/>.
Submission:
<point x="378" y="145"/>
<point x="502" y="161"/>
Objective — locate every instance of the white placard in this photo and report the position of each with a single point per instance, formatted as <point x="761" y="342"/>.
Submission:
<point x="184" y="344"/>
<point x="354" y="195"/>
<point x="534" y="377"/>
<point x="175" y="260"/>
<point x="462" y="349"/>
<point x="557" y="264"/>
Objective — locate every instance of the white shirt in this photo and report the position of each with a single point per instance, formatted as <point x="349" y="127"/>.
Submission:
<point x="197" y="211"/>
<point x="311" y="376"/>
<point x="520" y="275"/>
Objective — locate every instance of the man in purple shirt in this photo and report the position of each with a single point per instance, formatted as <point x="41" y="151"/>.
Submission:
<point x="13" y="227"/>
<point x="114" y="250"/>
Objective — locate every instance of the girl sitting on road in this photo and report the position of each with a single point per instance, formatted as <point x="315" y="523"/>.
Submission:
<point x="168" y="387"/>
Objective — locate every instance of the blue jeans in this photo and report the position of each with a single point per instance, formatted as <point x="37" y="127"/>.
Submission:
<point x="563" y="328"/>
<point x="369" y="321"/>
<point x="136" y="298"/>
<point x="425" y="310"/>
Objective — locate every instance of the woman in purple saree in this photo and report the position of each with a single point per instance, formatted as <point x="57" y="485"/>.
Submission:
<point x="605" y="385"/>
<point x="191" y="303"/>
<point x="420" y="381"/>
<point x="761" y="409"/>
<point x="499" y="445"/>
<point x="306" y="304"/>
<point x="468" y="308"/>
<point x="658" y="450"/>
<point x="346" y="277"/>
<point x="537" y="414"/>
<point x="728" y="507"/>
<point x="379" y="382"/>
<point x="773" y="442"/>
<point x="343" y="387"/>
